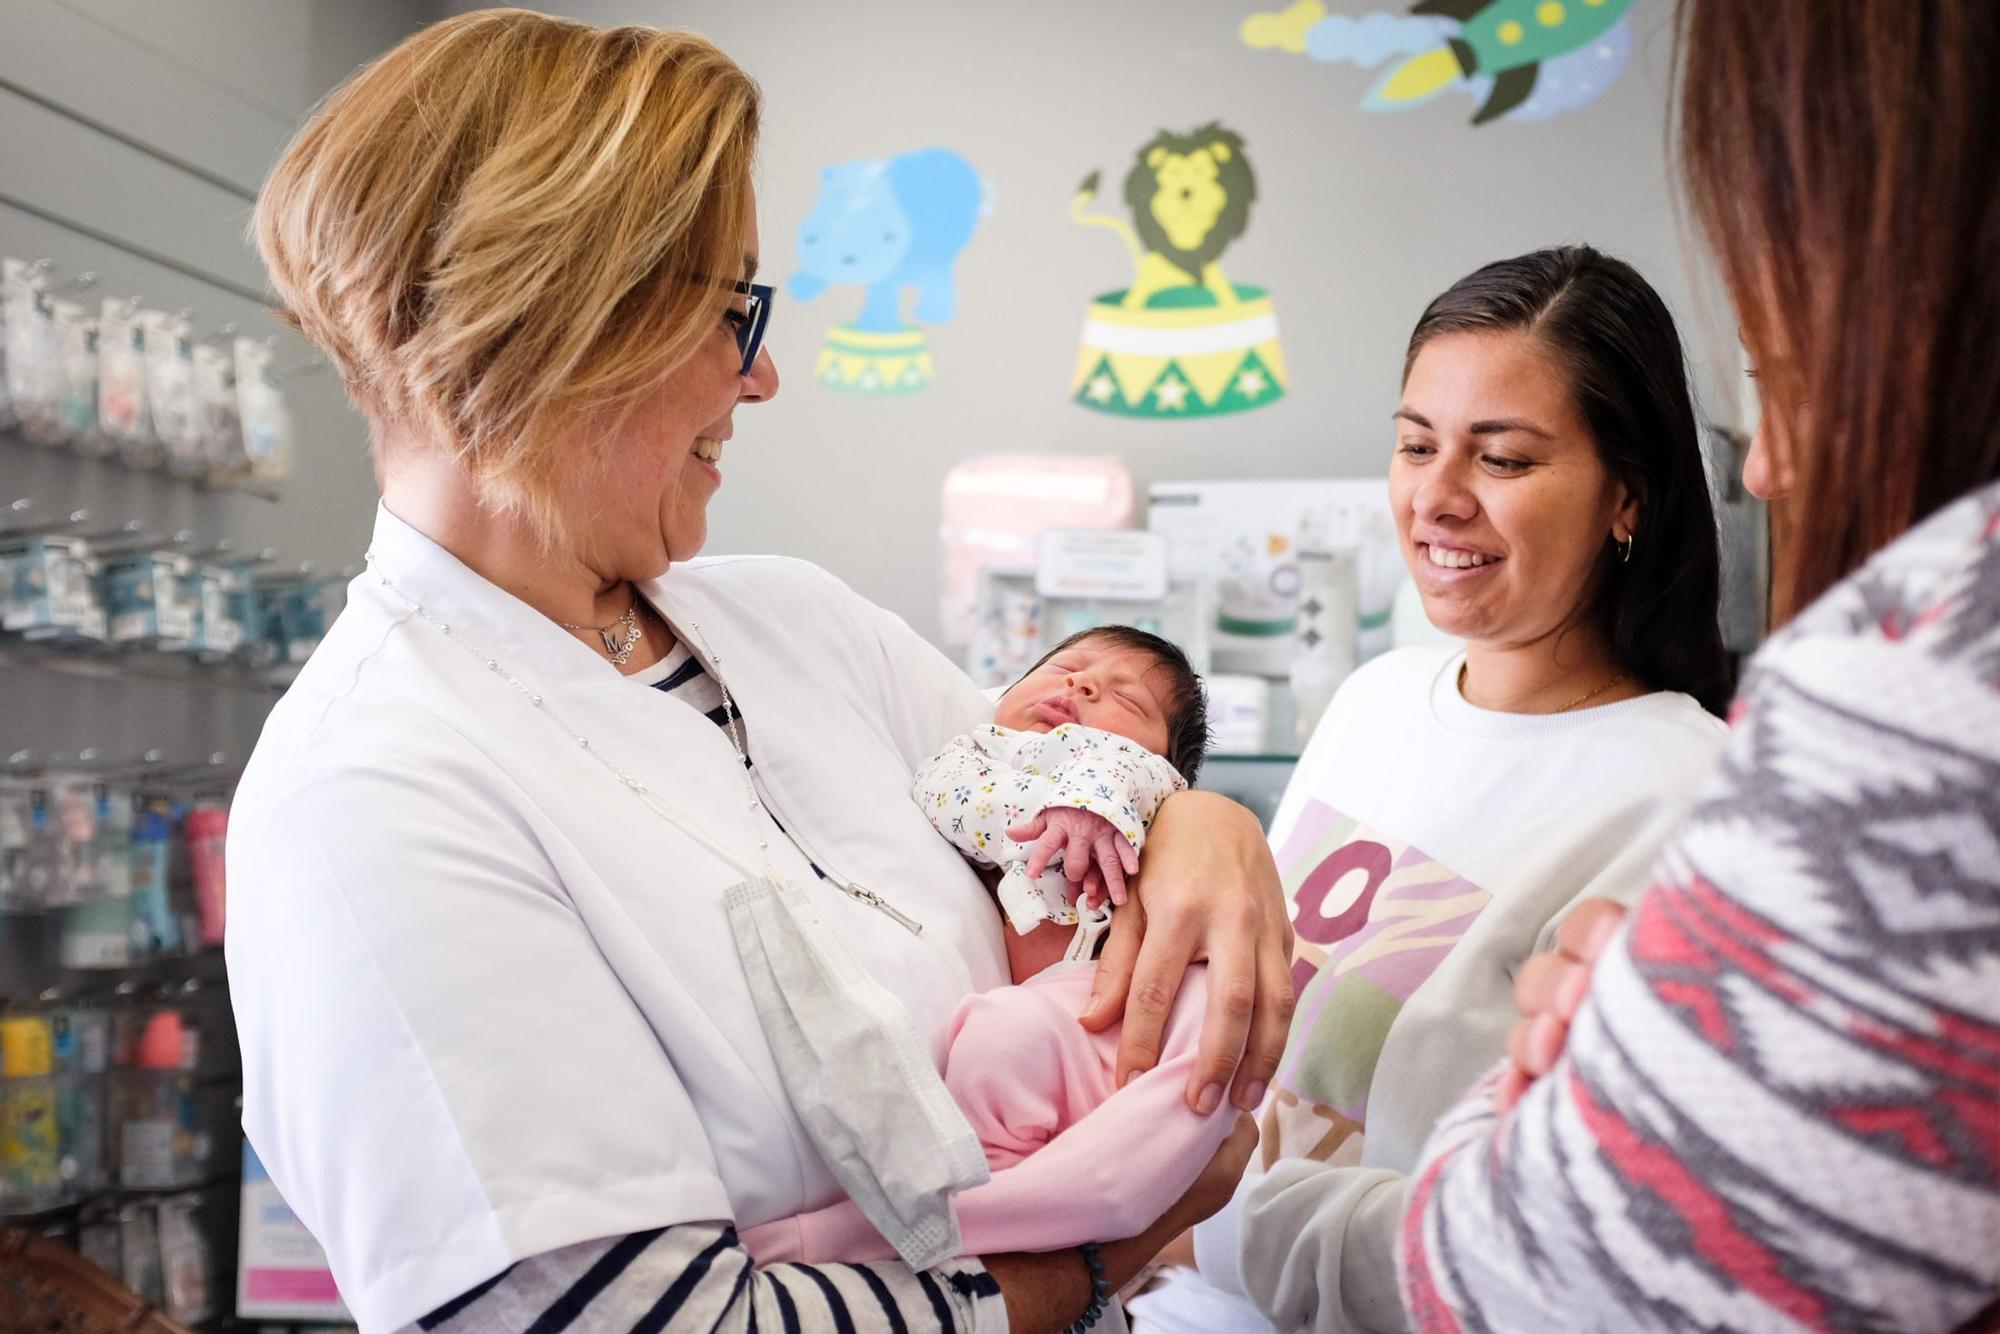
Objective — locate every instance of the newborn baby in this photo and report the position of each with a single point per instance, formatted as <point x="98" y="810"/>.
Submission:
<point x="1080" y="755"/>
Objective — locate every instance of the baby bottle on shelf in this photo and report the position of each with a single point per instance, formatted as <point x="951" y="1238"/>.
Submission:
<point x="1326" y="641"/>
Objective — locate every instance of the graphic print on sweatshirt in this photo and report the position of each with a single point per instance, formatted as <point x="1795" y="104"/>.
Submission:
<point x="1374" y="918"/>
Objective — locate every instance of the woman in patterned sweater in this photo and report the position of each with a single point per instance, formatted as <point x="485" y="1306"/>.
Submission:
<point x="1779" y="1104"/>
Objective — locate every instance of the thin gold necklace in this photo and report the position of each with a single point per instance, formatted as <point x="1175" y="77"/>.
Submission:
<point x="625" y="629"/>
<point x="1580" y="700"/>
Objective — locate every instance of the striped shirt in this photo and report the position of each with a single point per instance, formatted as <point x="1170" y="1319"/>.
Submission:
<point x="696" y="1277"/>
<point x="1779" y="1108"/>
<point x="681" y="675"/>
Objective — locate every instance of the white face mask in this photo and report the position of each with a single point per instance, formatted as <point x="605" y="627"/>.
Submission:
<point x="858" y="1075"/>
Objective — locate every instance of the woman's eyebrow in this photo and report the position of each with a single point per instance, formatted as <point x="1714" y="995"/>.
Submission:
<point x="1503" y="425"/>
<point x="1411" y="417"/>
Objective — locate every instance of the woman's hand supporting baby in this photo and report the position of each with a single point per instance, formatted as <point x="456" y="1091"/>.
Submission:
<point x="1207" y="890"/>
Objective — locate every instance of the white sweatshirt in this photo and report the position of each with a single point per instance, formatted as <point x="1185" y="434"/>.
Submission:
<point x="1429" y="848"/>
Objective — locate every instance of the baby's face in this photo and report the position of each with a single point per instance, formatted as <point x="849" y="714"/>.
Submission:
<point x="1102" y="685"/>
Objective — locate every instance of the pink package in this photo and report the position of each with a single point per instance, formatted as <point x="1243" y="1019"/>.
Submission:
<point x="207" y="831"/>
<point x="995" y="509"/>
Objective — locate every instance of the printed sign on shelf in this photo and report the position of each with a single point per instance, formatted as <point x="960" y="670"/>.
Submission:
<point x="281" y="1271"/>
<point x="1127" y="565"/>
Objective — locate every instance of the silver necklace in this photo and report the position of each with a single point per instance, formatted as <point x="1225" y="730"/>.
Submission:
<point x="657" y="803"/>
<point x="619" y="653"/>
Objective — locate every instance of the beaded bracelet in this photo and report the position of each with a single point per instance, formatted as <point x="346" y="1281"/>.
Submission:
<point x="1100" y="1289"/>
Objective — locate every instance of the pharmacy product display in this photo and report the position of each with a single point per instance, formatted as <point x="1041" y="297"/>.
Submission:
<point x="138" y="384"/>
<point x="65" y="584"/>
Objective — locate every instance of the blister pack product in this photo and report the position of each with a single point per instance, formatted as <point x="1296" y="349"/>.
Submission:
<point x="7" y="418"/>
<point x="265" y="420"/>
<point x="188" y="1294"/>
<point x="16" y="833"/>
<point x="218" y="418"/>
<point x="122" y="412"/>
<point x="76" y="345"/>
<point x="170" y="391"/>
<point x="33" y="364"/>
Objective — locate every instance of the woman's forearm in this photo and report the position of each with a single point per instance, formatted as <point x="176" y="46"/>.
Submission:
<point x="1045" y="1293"/>
<point x="1207" y="890"/>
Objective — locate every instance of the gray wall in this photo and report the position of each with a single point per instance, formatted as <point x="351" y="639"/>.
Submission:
<point x="1362" y="218"/>
<point x="133" y="136"/>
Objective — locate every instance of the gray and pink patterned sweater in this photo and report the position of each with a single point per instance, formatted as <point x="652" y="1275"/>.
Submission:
<point x="1780" y="1105"/>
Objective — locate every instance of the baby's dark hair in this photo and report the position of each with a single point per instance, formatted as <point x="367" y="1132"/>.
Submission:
<point x="1185" y="700"/>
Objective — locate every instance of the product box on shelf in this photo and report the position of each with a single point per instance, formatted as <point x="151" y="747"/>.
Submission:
<point x="226" y="610"/>
<point x="151" y="597"/>
<point x="1242" y="540"/>
<point x="161" y="1145"/>
<point x="48" y="588"/>
<point x="294" y="613"/>
<point x="1014" y="624"/>
<point x="30" y="1142"/>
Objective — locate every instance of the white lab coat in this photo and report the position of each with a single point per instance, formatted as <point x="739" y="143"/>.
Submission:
<point x="488" y="1001"/>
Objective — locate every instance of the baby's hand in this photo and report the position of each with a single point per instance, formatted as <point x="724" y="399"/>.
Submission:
<point x="1086" y="842"/>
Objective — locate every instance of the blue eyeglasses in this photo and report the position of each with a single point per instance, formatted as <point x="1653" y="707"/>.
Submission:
<point x="751" y="321"/>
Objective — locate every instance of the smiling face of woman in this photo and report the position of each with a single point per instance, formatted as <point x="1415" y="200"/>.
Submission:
<point x="663" y="465"/>
<point x="1504" y="508"/>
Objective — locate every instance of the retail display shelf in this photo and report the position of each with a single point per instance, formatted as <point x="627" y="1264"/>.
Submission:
<point x="142" y="665"/>
<point x="113" y="1196"/>
<point x="87" y="465"/>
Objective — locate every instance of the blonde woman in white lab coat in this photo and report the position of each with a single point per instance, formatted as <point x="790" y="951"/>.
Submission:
<point x="579" y="910"/>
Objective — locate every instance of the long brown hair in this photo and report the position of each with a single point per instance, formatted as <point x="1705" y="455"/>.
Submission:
<point x="1843" y="159"/>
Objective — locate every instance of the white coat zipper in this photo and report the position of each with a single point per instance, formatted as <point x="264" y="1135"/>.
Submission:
<point x="859" y="893"/>
<point x="944" y="951"/>
<point x="868" y="896"/>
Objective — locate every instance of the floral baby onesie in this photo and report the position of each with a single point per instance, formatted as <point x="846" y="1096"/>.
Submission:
<point x="993" y="778"/>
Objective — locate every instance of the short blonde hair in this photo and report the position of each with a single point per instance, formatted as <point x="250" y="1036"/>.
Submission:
<point x="510" y="223"/>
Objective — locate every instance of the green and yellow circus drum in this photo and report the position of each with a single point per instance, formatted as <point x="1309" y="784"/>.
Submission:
<point x="874" y="363"/>
<point x="1183" y="354"/>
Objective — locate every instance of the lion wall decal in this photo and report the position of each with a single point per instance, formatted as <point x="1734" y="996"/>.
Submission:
<point x="1190" y="196"/>
<point x="1182" y="340"/>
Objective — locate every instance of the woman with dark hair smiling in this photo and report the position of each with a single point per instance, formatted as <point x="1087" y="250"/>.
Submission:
<point x="1548" y="490"/>
<point x="1779" y="1107"/>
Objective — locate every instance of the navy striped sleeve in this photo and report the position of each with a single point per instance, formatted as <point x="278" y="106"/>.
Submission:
<point x="696" y="1278"/>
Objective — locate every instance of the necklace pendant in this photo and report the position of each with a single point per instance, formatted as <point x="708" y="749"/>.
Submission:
<point x="609" y="634"/>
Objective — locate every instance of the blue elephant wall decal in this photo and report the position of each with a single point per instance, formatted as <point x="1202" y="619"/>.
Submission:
<point x="885" y="224"/>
